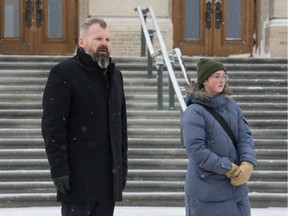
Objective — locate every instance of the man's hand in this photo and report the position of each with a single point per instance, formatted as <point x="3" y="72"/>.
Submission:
<point x="62" y="184"/>
<point x="242" y="174"/>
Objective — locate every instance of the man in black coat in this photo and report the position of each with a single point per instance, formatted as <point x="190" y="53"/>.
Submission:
<point x="84" y="126"/>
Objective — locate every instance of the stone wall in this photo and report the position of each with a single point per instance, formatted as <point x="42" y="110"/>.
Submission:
<point x="124" y="23"/>
<point x="276" y="40"/>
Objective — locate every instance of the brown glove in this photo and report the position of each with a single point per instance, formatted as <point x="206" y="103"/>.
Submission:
<point x="230" y="173"/>
<point x="242" y="174"/>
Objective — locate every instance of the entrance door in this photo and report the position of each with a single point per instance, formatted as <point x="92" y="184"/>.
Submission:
<point x="213" y="27"/>
<point x="37" y="26"/>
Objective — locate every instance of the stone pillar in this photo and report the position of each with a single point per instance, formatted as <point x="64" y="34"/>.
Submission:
<point x="83" y="10"/>
<point x="276" y="29"/>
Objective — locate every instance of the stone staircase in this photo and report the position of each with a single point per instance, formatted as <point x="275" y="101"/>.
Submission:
<point x="157" y="162"/>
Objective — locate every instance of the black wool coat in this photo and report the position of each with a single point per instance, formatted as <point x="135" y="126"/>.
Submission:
<point x="84" y="127"/>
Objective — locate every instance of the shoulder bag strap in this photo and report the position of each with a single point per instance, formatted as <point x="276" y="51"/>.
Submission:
<point x="222" y="122"/>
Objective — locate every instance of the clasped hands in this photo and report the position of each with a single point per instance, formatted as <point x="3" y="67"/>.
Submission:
<point x="240" y="174"/>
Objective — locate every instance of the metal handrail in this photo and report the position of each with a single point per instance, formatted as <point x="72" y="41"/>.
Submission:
<point x="163" y="53"/>
<point x="178" y="54"/>
<point x="145" y="30"/>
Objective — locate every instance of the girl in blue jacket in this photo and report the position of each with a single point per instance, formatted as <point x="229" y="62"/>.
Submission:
<point x="218" y="170"/>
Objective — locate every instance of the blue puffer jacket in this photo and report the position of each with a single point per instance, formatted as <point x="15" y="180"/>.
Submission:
<point x="211" y="153"/>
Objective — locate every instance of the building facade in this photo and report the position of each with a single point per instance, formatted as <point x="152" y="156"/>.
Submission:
<point x="198" y="27"/>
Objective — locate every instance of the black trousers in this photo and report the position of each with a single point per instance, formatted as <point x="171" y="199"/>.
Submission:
<point x="102" y="208"/>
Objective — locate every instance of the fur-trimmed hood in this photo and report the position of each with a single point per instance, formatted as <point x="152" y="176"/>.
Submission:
<point x="195" y="93"/>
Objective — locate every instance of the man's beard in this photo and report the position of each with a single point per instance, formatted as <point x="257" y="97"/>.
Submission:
<point x="102" y="59"/>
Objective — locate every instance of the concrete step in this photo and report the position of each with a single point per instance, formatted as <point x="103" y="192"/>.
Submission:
<point x="280" y="154"/>
<point x="177" y="199"/>
<point x="157" y="161"/>
<point x="265" y="114"/>
<point x="171" y="163"/>
<point x="137" y="175"/>
<point x="265" y="73"/>
<point x="180" y="153"/>
<point x="27" y="200"/>
<point x="16" y="89"/>
<point x="269" y="133"/>
<point x="21" y="112"/>
<point x="179" y="175"/>
<point x="157" y="133"/>
<point x="138" y="153"/>
<point x="270" y="107"/>
<point x="260" y="144"/>
<point x="141" y="64"/>
<point x="34" y="80"/>
<point x="153" y="132"/>
<point x="34" y="101"/>
<point x="270" y="144"/>
<point x="267" y="187"/>
<point x="144" y="123"/>
<point x="18" y="164"/>
<point x="135" y="113"/>
<point x="20" y="132"/>
<point x="136" y="163"/>
<point x="269" y="175"/>
<point x="143" y="60"/>
<point x="239" y="89"/>
<point x="136" y="199"/>
<point x="178" y="186"/>
<point x="20" y="122"/>
<point x="27" y="187"/>
<point x="20" y="143"/>
<point x="29" y="72"/>
<point x="31" y="153"/>
<point x="135" y="186"/>
<point x="145" y="95"/>
<point x="260" y="98"/>
<point x="28" y="142"/>
<point x="24" y="175"/>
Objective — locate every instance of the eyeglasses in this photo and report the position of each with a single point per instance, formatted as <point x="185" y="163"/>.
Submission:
<point x="219" y="77"/>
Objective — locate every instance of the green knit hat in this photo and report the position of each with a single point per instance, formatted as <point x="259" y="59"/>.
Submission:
<point x="206" y="67"/>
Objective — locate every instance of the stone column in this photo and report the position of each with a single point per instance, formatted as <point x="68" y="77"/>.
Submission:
<point x="276" y="29"/>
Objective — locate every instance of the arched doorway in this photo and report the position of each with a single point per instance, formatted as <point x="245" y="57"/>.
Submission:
<point x="38" y="26"/>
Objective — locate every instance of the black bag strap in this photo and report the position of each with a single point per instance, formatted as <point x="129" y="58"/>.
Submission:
<point x="222" y="122"/>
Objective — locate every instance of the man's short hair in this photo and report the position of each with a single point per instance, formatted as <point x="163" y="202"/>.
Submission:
<point x="90" y="21"/>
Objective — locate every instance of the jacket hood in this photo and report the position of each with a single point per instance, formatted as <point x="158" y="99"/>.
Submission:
<point x="198" y="94"/>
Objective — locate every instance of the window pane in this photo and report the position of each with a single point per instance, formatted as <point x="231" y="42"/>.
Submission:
<point x="55" y="19"/>
<point x="233" y="30"/>
<point x="11" y="18"/>
<point x="192" y="19"/>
